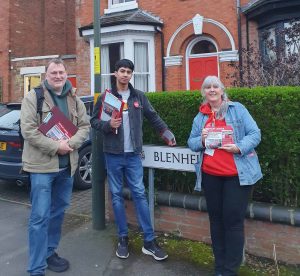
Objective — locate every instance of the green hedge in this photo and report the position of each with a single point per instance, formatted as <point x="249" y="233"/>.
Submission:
<point x="276" y="111"/>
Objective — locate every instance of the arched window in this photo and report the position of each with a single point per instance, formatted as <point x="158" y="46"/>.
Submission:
<point x="203" y="47"/>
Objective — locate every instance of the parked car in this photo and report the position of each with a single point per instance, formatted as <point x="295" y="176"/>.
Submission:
<point x="11" y="148"/>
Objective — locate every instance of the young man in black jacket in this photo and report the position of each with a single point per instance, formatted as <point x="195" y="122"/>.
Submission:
<point x="122" y="146"/>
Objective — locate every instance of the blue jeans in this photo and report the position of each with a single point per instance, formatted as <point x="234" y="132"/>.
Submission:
<point x="128" y="165"/>
<point x="50" y="195"/>
<point x="227" y="203"/>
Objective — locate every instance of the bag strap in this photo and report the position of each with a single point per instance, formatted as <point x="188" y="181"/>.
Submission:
<point x="39" y="100"/>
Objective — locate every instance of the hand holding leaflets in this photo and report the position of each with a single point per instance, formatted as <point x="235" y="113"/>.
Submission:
<point x="218" y="137"/>
<point x="115" y="120"/>
<point x="231" y="148"/>
<point x="111" y="110"/>
<point x="64" y="147"/>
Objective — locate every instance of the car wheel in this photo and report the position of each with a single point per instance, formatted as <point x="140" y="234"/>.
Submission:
<point x="83" y="174"/>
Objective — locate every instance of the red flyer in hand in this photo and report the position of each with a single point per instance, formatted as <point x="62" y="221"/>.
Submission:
<point x="218" y="137"/>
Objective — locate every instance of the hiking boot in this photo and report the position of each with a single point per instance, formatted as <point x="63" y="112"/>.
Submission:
<point x="153" y="249"/>
<point x="57" y="264"/>
<point x="122" y="250"/>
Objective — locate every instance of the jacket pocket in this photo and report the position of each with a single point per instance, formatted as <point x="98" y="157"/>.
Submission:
<point x="238" y="129"/>
<point x="35" y="157"/>
<point x="252" y="165"/>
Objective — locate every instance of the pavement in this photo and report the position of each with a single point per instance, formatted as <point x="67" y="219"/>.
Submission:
<point x="90" y="252"/>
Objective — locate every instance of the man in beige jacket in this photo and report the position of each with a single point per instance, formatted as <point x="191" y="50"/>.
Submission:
<point x="51" y="165"/>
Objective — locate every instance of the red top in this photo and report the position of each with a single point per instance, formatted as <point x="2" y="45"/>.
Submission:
<point x="222" y="162"/>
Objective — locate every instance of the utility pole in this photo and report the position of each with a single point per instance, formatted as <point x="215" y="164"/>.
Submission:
<point x="98" y="169"/>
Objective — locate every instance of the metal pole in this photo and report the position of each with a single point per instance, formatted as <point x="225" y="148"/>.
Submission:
<point x="151" y="195"/>
<point x="98" y="169"/>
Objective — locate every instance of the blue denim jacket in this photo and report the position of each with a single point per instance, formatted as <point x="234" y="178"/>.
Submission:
<point x="246" y="136"/>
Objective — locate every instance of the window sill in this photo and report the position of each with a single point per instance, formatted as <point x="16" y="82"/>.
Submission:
<point x="121" y="7"/>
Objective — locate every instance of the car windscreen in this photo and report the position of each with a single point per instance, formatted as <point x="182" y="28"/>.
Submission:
<point x="9" y="119"/>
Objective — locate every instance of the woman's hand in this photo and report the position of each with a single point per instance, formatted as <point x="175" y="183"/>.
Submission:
<point x="204" y="135"/>
<point x="230" y="148"/>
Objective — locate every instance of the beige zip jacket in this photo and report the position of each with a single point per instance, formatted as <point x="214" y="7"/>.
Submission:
<point x="40" y="152"/>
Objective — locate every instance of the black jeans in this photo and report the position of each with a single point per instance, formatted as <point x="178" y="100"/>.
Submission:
<point x="227" y="203"/>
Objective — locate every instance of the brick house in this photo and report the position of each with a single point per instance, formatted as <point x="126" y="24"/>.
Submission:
<point x="33" y="32"/>
<point x="174" y="44"/>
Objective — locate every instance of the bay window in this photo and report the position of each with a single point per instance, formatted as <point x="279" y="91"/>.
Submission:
<point x="141" y="72"/>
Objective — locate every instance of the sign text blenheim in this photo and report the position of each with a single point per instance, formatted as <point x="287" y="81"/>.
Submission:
<point x="171" y="158"/>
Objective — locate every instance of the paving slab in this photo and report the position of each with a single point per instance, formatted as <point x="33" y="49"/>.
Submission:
<point x="90" y="252"/>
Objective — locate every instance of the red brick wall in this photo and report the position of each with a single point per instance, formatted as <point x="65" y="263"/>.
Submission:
<point x="175" y="75"/>
<point x="41" y="27"/>
<point x="194" y="225"/>
<point x="29" y="29"/>
<point x="4" y="50"/>
<point x="84" y="16"/>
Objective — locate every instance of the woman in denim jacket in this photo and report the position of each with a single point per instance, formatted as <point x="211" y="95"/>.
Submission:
<point x="226" y="171"/>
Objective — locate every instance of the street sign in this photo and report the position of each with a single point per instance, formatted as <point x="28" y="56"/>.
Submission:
<point x="170" y="158"/>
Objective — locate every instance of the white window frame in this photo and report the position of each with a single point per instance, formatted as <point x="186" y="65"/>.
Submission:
<point x="128" y="38"/>
<point x="143" y="73"/>
<point x="121" y="6"/>
<point x="294" y="49"/>
<point x="272" y="36"/>
<point x="28" y="76"/>
<point x="31" y="71"/>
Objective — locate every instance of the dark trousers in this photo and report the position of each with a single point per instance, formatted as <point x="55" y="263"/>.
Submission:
<point x="226" y="205"/>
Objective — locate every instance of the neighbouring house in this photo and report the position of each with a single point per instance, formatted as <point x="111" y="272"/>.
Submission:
<point x="33" y="32"/>
<point x="176" y="44"/>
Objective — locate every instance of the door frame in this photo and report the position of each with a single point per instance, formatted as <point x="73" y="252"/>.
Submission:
<point x="188" y="56"/>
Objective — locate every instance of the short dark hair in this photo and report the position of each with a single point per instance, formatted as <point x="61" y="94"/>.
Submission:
<point x="56" y="61"/>
<point x="126" y="63"/>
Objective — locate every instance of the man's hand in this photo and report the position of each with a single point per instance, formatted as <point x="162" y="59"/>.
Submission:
<point x="64" y="147"/>
<point x="115" y="120"/>
<point x="230" y="148"/>
<point x="169" y="137"/>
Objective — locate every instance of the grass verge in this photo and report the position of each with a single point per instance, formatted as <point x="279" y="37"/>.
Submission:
<point x="200" y="254"/>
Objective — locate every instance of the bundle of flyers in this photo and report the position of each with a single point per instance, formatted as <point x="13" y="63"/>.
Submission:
<point x="57" y="126"/>
<point x="218" y="137"/>
<point x="111" y="106"/>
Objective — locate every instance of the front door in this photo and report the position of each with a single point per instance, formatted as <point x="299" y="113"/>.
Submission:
<point x="200" y="68"/>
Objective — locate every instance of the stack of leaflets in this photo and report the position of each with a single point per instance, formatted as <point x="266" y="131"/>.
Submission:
<point x="111" y="105"/>
<point x="218" y="137"/>
<point x="57" y="126"/>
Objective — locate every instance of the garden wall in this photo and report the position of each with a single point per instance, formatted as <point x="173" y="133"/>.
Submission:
<point x="190" y="224"/>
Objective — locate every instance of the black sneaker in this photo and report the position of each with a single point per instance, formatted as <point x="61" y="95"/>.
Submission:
<point x="122" y="250"/>
<point x="57" y="264"/>
<point x="153" y="249"/>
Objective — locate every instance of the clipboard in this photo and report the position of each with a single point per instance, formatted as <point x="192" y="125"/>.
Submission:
<point x="57" y="126"/>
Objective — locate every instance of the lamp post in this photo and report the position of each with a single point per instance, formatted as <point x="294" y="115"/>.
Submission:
<point x="98" y="169"/>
